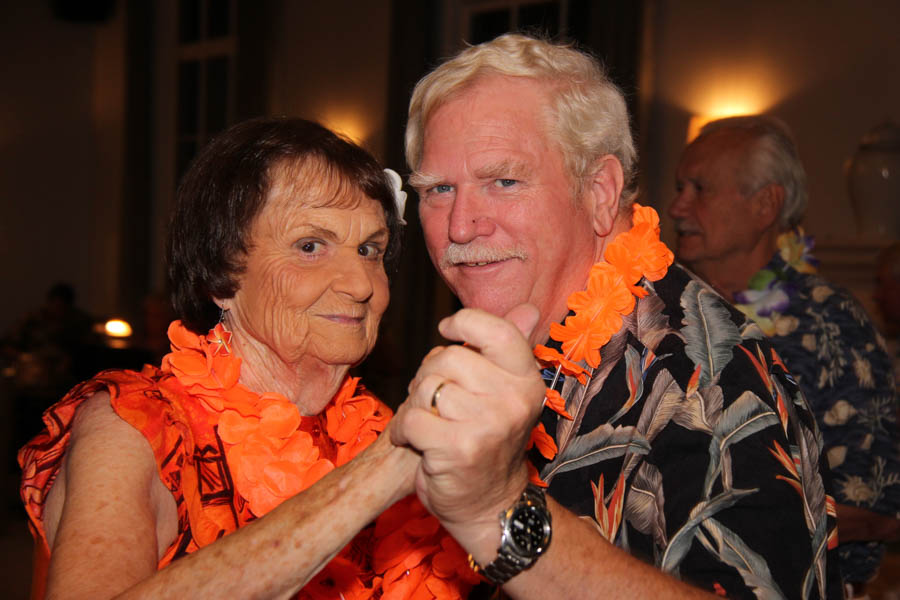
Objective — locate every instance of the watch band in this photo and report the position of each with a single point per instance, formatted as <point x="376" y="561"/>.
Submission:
<point x="508" y="563"/>
<point x="502" y="569"/>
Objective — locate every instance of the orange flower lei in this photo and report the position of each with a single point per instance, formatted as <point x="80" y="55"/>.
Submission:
<point x="274" y="452"/>
<point x="611" y="291"/>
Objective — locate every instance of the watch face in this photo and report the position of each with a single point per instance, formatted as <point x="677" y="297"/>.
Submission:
<point x="528" y="530"/>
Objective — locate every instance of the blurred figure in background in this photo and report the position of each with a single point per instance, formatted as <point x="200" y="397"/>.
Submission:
<point x="741" y="194"/>
<point x="41" y="353"/>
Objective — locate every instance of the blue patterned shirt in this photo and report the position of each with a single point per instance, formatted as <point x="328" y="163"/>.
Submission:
<point x="830" y="345"/>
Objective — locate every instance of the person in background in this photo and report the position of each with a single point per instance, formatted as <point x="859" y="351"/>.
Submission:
<point x="43" y="352"/>
<point x="740" y="197"/>
<point x="675" y="458"/>
<point x="249" y="464"/>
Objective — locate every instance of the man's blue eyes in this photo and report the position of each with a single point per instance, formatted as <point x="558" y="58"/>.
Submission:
<point x="445" y="188"/>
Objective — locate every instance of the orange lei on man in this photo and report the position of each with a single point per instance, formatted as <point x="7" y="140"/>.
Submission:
<point x="611" y="291"/>
<point x="273" y="453"/>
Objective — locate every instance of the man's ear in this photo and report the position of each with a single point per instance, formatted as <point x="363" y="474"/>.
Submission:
<point x="768" y="202"/>
<point x="601" y="193"/>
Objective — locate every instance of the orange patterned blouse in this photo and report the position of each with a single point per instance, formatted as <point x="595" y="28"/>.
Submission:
<point x="406" y="554"/>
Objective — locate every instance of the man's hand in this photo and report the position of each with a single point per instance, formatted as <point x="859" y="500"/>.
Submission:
<point x="473" y="442"/>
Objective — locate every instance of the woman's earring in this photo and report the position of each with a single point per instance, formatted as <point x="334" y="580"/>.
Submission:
<point x="220" y="337"/>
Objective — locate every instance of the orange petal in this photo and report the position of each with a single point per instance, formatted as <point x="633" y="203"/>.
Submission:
<point x="189" y="363"/>
<point x="300" y="449"/>
<point x="557" y="403"/>
<point x="227" y="370"/>
<point x="644" y="214"/>
<point x="233" y="427"/>
<point x="533" y="475"/>
<point x="181" y="337"/>
<point x="282" y="478"/>
<point x="542" y="440"/>
<point x="317" y="471"/>
<point x="279" y="419"/>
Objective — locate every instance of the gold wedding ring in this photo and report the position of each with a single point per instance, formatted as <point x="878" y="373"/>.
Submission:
<point x="434" y="398"/>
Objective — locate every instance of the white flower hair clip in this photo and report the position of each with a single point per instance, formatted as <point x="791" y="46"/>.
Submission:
<point x="399" y="194"/>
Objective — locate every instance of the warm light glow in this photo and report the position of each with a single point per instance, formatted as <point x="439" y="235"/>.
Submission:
<point x="117" y="328"/>
<point x="698" y="121"/>
<point x="349" y="123"/>
<point x="747" y="89"/>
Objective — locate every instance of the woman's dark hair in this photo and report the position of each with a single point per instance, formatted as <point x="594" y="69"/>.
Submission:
<point x="226" y="188"/>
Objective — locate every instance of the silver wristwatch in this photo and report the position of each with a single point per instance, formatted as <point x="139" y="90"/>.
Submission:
<point x="525" y="535"/>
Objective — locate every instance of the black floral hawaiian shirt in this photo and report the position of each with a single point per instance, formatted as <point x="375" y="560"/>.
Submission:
<point x="692" y="448"/>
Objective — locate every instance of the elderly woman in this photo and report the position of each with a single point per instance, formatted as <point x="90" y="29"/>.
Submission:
<point x="249" y="463"/>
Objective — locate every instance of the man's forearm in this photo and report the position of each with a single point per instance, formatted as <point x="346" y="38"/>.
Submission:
<point x="580" y="563"/>
<point x="860" y="525"/>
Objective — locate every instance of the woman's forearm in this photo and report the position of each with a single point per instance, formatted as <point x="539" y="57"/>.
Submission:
<point x="278" y="554"/>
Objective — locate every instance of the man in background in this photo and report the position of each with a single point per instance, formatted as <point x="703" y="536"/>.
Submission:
<point x="740" y="197"/>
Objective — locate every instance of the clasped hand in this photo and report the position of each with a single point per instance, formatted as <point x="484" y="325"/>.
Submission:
<point x="472" y="439"/>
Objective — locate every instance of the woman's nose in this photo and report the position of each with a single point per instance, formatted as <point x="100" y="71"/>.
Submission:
<point x="353" y="277"/>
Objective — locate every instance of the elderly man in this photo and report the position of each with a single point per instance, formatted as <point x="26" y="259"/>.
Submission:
<point x="741" y="192"/>
<point x="675" y="456"/>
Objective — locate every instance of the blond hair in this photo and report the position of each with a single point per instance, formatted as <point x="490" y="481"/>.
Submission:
<point x="588" y="116"/>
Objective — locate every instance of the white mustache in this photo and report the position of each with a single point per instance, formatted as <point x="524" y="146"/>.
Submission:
<point x="464" y="253"/>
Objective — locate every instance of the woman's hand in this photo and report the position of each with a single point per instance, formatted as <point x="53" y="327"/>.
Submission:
<point x="396" y="465"/>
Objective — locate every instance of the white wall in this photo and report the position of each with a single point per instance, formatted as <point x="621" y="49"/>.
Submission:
<point x="61" y="106"/>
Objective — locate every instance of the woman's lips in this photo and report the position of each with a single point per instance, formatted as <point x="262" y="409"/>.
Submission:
<point x="344" y="319"/>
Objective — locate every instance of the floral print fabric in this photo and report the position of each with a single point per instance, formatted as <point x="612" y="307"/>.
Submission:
<point x="692" y="448"/>
<point x="830" y="345"/>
